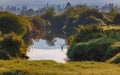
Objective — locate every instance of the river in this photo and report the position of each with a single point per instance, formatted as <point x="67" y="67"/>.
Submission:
<point x="40" y="50"/>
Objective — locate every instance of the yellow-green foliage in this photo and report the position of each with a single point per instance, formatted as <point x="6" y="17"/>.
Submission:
<point x="13" y="46"/>
<point x="13" y="23"/>
<point x="45" y="67"/>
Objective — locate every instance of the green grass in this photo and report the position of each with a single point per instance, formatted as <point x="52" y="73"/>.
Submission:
<point x="46" y="67"/>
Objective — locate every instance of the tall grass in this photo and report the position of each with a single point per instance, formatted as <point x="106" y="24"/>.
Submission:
<point x="46" y="67"/>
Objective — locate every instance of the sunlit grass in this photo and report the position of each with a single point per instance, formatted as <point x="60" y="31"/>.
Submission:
<point x="110" y="27"/>
<point x="25" y="67"/>
<point x="116" y="44"/>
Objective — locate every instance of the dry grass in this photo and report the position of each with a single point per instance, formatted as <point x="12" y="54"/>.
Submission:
<point x="111" y="27"/>
<point x="115" y="44"/>
<point x="25" y="67"/>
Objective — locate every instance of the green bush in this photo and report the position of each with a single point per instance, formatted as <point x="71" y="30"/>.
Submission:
<point x="91" y="50"/>
<point x="13" y="23"/>
<point x="96" y="49"/>
<point x="115" y="59"/>
<point x="77" y="52"/>
<point x="14" y="46"/>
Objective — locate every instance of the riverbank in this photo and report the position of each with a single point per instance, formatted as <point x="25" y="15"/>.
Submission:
<point x="47" y="67"/>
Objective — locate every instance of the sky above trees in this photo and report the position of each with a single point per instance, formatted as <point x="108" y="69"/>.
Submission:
<point x="42" y="2"/>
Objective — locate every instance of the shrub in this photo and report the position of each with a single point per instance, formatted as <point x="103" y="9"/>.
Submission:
<point x="91" y="50"/>
<point x="77" y="52"/>
<point x="14" y="46"/>
<point x="96" y="49"/>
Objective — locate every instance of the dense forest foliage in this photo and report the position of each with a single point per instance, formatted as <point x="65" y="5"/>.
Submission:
<point x="90" y="34"/>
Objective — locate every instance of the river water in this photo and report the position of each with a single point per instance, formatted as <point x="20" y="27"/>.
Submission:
<point x="40" y="50"/>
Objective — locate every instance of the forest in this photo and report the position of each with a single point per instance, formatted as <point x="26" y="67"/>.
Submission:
<point x="92" y="37"/>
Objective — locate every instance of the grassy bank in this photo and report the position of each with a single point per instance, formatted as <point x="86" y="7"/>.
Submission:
<point x="25" y="67"/>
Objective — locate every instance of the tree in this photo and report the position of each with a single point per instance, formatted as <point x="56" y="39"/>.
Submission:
<point x="12" y="23"/>
<point x="92" y="16"/>
<point x="49" y="14"/>
<point x="30" y="12"/>
<point x="40" y="23"/>
<point x="68" y="5"/>
<point x="113" y="11"/>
